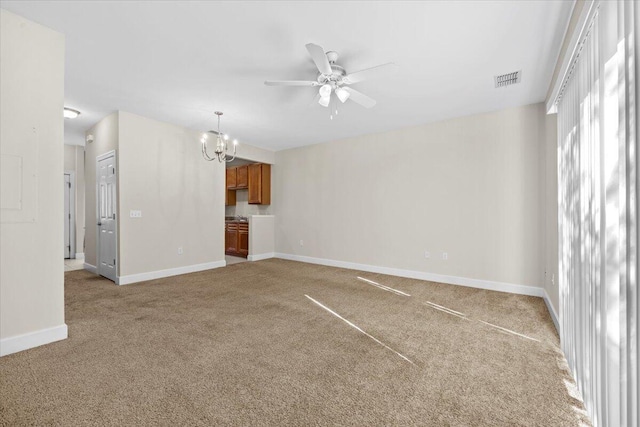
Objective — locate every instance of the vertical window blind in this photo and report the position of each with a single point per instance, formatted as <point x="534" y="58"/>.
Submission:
<point x="597" y="217"/>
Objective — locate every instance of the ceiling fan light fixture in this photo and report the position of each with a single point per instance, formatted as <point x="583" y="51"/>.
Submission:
<point x="333" y="76"/>
<point x="325" y="91"/>
<point x="342" y="94"/>
<point x="324" y="101"/>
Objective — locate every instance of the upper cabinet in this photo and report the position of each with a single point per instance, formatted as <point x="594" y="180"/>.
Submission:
<point x="242" y="177"/>
<point x="230" y="197"/>
<point x="255" y="177"/>
<point x="231" y="178"/>
<point x="238" y="178"/>
<point x="259" y="184"/>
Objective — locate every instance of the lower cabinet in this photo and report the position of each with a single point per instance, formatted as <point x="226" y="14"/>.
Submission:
<point x="230" y="238"/>
<point x="236" y="237"/>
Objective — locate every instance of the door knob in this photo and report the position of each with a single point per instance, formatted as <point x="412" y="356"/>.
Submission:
<point x="99" y="224"/>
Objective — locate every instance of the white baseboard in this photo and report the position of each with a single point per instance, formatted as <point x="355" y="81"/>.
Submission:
<point x="412" y="274"/>
<point x="259" y="257"/>
<point x="22" y="342"/>
<point x="79" y="255"/>
<point x="552" y="311"/>
<point x="159" y="274"/>
<point x="90" y="268"/>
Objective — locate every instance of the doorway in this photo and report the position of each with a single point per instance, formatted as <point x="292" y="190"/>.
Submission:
<point x="69" y="216"/>
<point x="107" y="197"/>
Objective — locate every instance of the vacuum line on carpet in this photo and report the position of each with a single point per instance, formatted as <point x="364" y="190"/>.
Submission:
<point x="509" y="331"/>
<point x="464" y="316"/>
<point x="383" y="287"/>
<point x="451" y="312"/>
<point x="358" y="329"/>
<point x="434" y="305"/>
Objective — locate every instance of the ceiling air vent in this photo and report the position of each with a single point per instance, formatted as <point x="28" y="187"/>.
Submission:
<point x="508" y="79"/>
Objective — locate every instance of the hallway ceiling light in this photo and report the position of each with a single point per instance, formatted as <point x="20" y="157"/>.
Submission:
<point x="70" y="113"/>
<point x="222" y="144"/>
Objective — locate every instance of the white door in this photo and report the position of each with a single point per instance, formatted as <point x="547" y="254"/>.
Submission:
<point x="67" y="216"/>
<point x="107" y="197"/>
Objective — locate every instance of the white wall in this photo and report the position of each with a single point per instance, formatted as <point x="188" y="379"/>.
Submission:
<point x="31" y="134"/>
<point x="74" y="162"/>
<point x="181" y="196"/>
<point x="471" y="187"/>
<point x="105" y="134"/>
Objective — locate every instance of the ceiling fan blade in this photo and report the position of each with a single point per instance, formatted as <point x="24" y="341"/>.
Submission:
<point x="291" y="83"/>
<point x="320" y="58"/>
<point x="368" y="73"/>
<point x="360" y="98"/>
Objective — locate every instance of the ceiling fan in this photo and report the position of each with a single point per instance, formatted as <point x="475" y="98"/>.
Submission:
<point x="332" y="78"/>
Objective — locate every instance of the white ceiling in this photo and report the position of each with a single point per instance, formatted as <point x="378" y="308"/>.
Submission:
<point x="180" y="61"/>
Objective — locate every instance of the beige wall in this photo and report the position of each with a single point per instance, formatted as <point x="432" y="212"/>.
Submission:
<point x="31" y="127"/>
<point x="261" y="235"/>
<point x="105" y="134"/>
<point x="181" y="196"/>
<point x="74" y="162"/>
<point x="69" y="158"/>
<point x="471" y="187"/>
<point x="255" y="154"/>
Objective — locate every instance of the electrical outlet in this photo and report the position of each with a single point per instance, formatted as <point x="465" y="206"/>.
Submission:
<point x="301" y="242"/>
<point x="553" y="279"/>
<point x="445" y="256"/>
<point x="427" y="254"/>
<point x="180" y="251"/>
<point x="135" y="214"/>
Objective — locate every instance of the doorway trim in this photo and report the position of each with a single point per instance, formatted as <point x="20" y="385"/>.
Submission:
<point x="72" y="213"/>
<point x="106" y="155"/>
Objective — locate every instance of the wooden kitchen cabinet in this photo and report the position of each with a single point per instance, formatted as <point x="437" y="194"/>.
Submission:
<point x="231" y="179"/>
<point x="242" y="177"/>
<point x="229" y="197"/>
<point x="231" y="238"/>
<point x="243" y="239"/>
<point x="256" y="178"/>
<point x="259" y="184"/>
<point x="236" y="238"/>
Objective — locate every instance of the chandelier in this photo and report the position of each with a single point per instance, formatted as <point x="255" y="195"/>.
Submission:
<point x="222" y="142"/>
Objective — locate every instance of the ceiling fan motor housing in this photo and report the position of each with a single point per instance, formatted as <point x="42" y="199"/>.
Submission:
<point x="337" y="72"/>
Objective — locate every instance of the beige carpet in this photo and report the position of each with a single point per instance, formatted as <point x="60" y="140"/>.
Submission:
<point x="243" y="345"/>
